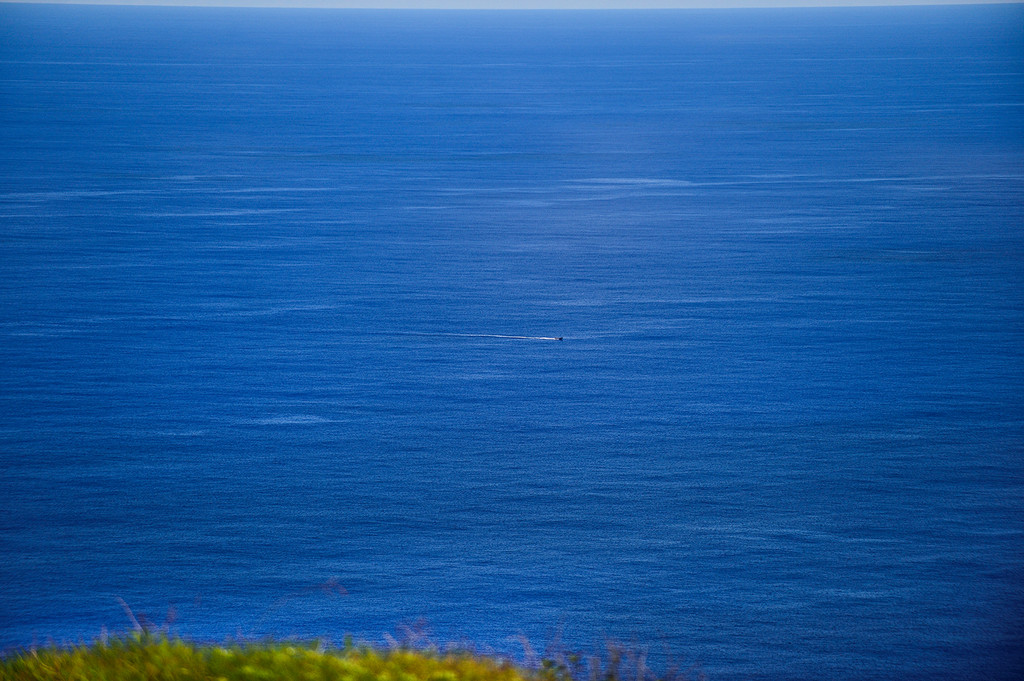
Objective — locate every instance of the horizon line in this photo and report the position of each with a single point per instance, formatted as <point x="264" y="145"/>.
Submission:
<point x="513" y="5"/>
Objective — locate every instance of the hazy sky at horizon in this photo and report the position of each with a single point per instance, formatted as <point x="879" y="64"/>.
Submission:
<point x="522" y="4"/>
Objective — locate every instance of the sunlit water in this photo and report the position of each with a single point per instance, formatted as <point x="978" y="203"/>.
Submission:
<point x="280" y="294"/>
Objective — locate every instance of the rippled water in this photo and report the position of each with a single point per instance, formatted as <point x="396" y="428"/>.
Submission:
<point x="279" y="294"/>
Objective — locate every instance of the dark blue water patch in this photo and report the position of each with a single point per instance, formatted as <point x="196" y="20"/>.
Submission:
<point x="277" y="289"/>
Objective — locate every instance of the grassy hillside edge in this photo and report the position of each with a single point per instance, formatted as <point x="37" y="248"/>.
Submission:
<point x="169" y="659"/>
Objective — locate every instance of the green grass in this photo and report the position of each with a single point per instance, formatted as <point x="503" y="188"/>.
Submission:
<point x="161" y="658"/>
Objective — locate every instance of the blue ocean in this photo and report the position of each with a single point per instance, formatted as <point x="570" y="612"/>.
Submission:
<point x="697" y="330"/>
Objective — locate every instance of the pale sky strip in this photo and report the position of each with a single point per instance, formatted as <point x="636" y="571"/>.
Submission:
<point x="521" y="4"/>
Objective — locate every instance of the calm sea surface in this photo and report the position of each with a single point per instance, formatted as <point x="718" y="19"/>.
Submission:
<point x="280" y="294"/>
